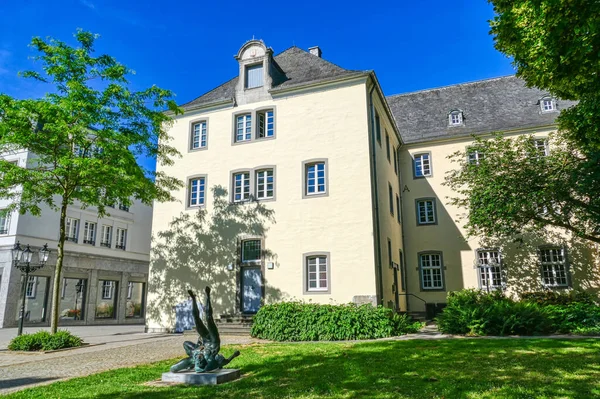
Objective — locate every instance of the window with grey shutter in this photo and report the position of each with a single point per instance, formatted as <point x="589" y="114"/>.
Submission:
<point x="254" y="76"/>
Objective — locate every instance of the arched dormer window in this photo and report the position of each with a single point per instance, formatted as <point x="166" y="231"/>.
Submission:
<point x="455" y="118"/>
<point x="547" y="104"/>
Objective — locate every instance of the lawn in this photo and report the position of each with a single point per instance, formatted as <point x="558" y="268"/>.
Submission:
<point x="460" y="368"/>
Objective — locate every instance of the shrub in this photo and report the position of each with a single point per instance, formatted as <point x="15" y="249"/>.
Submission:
<point x="43" y="340"/>
<point x="475" y="312"/>
<point x="545" y="298"/>
<point x="298" y="321"/>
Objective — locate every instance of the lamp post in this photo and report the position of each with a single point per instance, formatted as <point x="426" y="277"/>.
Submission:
<point x="78" y="289"/>
<point x="22" y="260"/>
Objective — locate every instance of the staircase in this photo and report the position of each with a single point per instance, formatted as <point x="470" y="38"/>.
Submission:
<point x="234" y="324"/>
<point x="418" y="316"/>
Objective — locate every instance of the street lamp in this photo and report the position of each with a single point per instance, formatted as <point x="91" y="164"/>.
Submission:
<point x="22" y="260"/>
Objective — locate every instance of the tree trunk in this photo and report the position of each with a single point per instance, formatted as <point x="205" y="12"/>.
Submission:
<point x="58" y="270"/>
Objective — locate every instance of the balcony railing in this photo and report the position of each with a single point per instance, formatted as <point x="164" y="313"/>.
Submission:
<point x="91" y="242"/>
<point x="3" y="231"/>
<point x="105" y="244"/>
<point x="120" y="247"/>
<point x="124" y="207"/>
<point x="72" y="239"/>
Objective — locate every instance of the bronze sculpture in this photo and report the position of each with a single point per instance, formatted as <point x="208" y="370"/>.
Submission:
<point x="204" y="355"/>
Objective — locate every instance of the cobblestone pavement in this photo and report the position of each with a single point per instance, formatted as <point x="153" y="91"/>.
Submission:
<point x="19" y="371"/>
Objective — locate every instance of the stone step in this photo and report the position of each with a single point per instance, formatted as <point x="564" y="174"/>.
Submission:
<point x="234" y="331"/>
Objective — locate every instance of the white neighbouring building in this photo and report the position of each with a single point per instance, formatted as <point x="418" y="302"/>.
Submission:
<point x="105" y="269"/>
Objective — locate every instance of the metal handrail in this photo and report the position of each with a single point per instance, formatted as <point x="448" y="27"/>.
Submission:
<point x="419" y="298"/>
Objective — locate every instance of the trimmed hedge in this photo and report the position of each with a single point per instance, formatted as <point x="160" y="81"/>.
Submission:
<point x="43" y="340"/>
<point x="299" y="321"/>
<point x="475" y="312"/>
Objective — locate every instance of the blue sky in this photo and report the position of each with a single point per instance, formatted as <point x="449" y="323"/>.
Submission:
<point x="188" y="46"/>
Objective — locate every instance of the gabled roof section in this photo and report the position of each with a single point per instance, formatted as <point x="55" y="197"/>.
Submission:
<point x="492" y="105"/>
<point x="299" y="67"/>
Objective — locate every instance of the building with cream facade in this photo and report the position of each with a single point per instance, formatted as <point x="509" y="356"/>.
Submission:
<point x="105" y="269"/>
<point x="300" y="185"/>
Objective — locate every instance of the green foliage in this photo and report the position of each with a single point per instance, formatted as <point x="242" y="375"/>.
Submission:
<point x="43" y="340"/>
<point x="558" y="189"/>
<point x="554" y="45"/>
<point x="475" y="312"/>
<point x="298" y="321"/>
<point x="545" y="298"/>
<point x="86" y="134"/>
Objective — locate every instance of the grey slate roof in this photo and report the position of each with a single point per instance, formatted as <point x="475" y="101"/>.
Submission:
<point x="300" y="68"/>
<point x="491" y="105"/>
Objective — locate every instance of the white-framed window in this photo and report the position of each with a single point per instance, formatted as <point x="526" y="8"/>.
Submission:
<point x="197" y="191"/>
<point x="251" y="251"/>
<point x="72" y="229"/>
<point x="124" y="207"/>
<point x="387" y="146"/>
<point x="455" y="118"/>
<point x="490" y="272"/>
<point x="547" y="104"/>
<point x="254" y="76"/>
<point x="241" y="186"/>
<point x="391" y="198"/>
<point x="475" y="156"/>
<point x="121" y="239"/>
<point x="422" y="164"/>
<point x="541" y="146"/>
<point x="199" y="135"/>
<point x="243" y="128"/>
<point x="108" y="288"/>
<point x="4" y="222"/>
<point x="316" y="178"/>
<point x="553" y="267"/>
<point x="106" y="240"/>
<point x="426" y="211"/>
<point x="265" y="124"/>
<point x="399" y="217"/>
<point x="317" y="273"/>
<point x="265" y="184"/>
<point x="431" y="268"/>
<point x="31" y="287"/>
<point x="89" y="233"/>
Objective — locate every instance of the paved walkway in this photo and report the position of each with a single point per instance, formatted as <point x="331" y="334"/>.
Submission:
<point x="122" y="347"/>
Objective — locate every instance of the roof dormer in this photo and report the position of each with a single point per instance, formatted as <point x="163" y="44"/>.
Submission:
<point x="255" y="72"/>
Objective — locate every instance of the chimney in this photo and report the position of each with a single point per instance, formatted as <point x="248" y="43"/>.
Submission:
<point x="315" y="51"/>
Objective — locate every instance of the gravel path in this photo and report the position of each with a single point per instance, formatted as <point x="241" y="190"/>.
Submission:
<point x="19" y="371"/>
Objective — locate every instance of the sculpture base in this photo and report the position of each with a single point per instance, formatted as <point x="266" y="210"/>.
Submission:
<point x="211" y="378"/>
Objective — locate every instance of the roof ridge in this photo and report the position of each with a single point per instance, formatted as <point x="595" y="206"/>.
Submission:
<point x="452" y="85"/>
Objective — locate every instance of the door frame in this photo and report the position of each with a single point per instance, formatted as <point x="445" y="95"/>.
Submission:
<point x="250" y="265"/>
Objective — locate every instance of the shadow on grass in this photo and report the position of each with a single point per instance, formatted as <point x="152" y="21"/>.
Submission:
<point x="19" y="382"/>
<point x="392" y="369"/>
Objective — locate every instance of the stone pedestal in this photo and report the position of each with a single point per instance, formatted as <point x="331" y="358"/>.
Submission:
<point x="212" y="378"/>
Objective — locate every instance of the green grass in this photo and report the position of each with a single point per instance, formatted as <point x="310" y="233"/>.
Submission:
<point x="460" y="368"/>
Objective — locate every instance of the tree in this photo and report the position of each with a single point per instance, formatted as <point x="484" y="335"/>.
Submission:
<point x="520" y="184"/>
<point x="84" y="138"/>
<point x="555" y="46"/>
